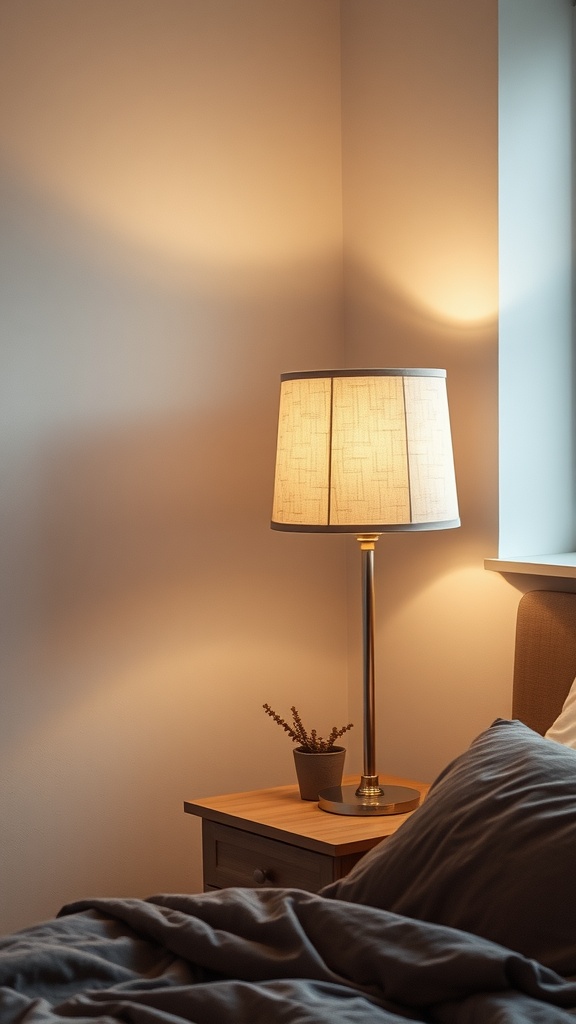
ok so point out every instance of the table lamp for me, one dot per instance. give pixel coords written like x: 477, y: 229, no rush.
x: 365, y: 452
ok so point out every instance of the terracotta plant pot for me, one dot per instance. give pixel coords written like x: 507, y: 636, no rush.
x: 316, y: 772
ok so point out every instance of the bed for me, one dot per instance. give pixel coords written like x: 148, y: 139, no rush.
x: 467, y: 915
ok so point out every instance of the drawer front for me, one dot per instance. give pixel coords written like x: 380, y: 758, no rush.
x: 233, y: 857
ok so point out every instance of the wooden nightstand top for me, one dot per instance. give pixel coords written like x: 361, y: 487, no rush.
x: 279, y: 813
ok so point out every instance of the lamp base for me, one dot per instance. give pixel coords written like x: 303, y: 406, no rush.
x: 386, y: 800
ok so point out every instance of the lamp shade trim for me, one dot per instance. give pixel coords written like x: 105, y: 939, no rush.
x: 392, y: 371
x: 364, y: 450
x: 358, y: 528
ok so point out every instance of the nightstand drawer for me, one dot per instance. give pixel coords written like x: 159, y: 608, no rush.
x: 234, y: 857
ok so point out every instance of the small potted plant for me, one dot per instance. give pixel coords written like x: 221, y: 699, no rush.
x: 319, y: 762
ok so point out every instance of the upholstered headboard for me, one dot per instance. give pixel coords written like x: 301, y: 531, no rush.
x: 545, y: 656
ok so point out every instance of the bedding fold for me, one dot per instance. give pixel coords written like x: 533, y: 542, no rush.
x: 280, y: 955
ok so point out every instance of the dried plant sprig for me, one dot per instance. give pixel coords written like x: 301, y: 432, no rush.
x: 309, y: 741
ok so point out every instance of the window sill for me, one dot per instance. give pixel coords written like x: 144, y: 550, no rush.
x: 559, y: 566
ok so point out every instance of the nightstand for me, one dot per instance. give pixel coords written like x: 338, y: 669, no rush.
x: 270, y: 837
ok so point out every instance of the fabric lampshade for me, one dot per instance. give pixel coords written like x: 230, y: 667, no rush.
x: 364, y: 451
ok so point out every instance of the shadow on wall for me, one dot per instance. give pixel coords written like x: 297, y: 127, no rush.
x: 146, y: 608
x: 171, y: 229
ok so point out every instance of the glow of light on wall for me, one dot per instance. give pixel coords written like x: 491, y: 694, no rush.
x: 186, y: 215
x: 420, y: 158
x: 461, y: 295
x: 175, y: 136
x: 455, y: 289
x: 434, y: 269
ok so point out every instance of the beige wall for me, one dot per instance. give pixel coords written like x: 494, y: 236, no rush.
x: 420, y: 174
x: 171, y: 242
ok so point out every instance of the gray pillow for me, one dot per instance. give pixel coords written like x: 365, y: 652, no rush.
x: 491, y: 851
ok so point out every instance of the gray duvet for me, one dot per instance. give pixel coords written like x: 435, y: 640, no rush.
x: 279, y: 956
x: 466, y: 915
